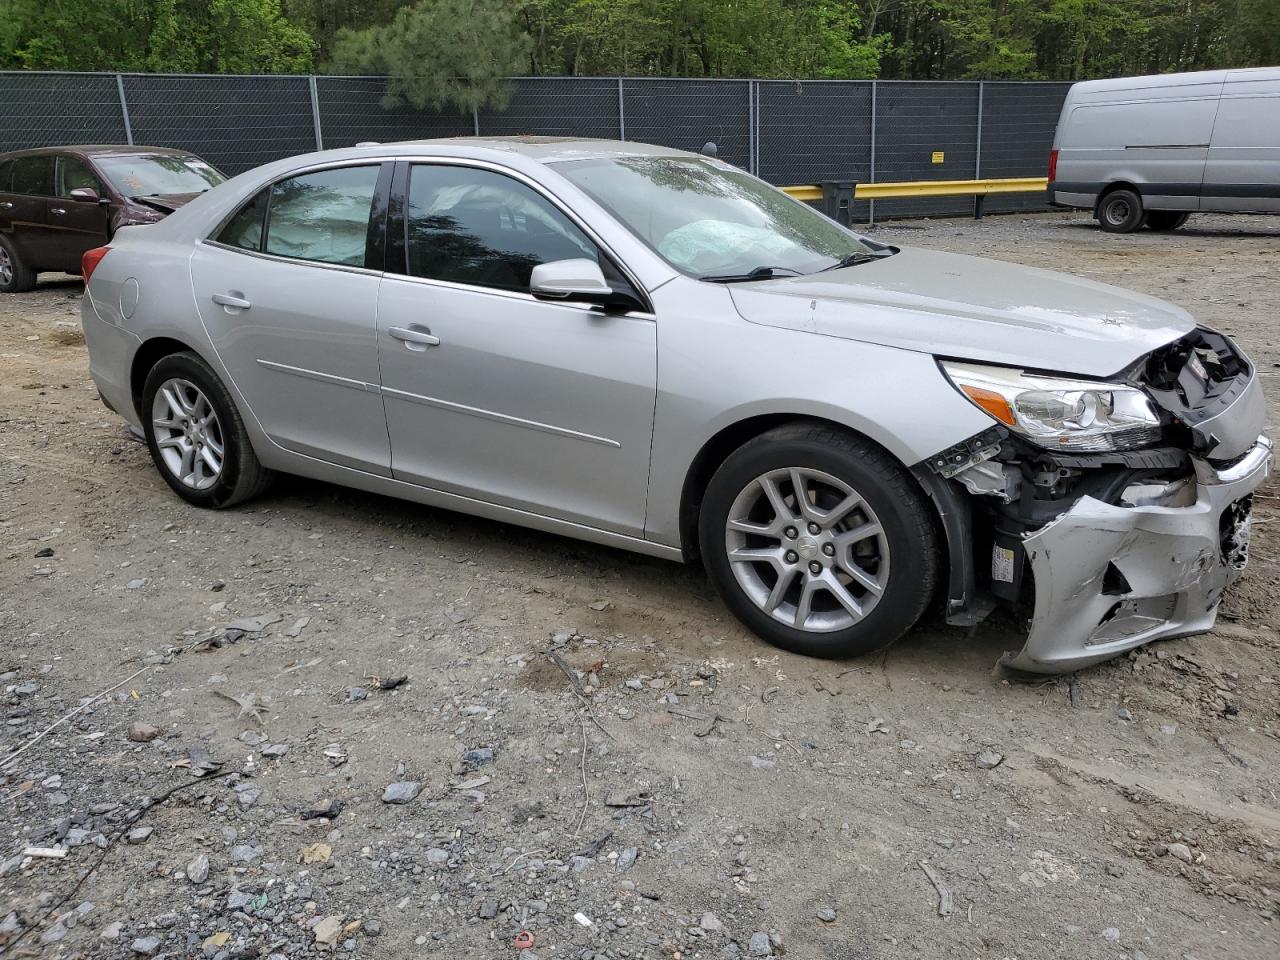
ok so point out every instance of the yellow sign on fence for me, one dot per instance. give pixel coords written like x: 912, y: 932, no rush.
x: 939, y: 156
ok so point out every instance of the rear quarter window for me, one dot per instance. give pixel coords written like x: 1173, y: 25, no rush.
x: 1141, y: 123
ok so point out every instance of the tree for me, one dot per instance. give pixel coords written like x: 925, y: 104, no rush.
x: 440, y: 54
x: 206, y: 36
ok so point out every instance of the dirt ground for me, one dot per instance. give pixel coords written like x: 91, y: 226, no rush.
x: 720, y: 798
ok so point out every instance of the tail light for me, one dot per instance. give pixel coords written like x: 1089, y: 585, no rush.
x: 1053, y: 165
x: 90, y: 261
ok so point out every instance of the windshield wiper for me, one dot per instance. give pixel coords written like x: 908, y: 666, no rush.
x: 759, y: 273
x: 861, y: 256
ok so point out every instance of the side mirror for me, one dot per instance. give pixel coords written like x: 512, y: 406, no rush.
x: 85, y: 195
x: 575, y: 280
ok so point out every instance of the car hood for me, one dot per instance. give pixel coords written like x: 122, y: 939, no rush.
x: 166, y: 202
x: 971, y: 308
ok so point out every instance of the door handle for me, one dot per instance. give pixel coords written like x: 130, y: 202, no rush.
x: 6, y: 205
x: 227, y: 300
x: 57, y: 211
x: 409, y: 335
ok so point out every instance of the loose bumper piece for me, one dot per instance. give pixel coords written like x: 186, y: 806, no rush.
x: 1110, y: 578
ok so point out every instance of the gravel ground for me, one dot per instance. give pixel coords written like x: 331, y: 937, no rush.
x: 683, y: 791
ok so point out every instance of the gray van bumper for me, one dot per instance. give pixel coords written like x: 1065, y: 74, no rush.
x: 1173, y: 564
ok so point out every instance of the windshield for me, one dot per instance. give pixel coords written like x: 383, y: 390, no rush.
x: 707, y: 218
x: 158, y: 175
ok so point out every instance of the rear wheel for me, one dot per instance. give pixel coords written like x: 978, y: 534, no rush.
x: 818, y: 541
x: 1163, y: 220
x: 197, y: 439
x: 1120, y: 212
x: 15, y: 277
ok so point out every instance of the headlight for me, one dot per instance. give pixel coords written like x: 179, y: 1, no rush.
x: 1057, y: 413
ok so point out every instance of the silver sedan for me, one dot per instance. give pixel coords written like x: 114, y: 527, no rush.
x: 653, y: 350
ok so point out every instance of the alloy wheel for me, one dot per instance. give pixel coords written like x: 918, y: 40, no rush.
x: 807, y: 549
x: 188, y: 434
x: 6, y: 268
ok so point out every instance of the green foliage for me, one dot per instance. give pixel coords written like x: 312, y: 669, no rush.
x: 440, y: 53
x: 455, y: 52
x: 206, y: 36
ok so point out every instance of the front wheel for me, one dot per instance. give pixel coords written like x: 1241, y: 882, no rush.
x: 197, y: 439
x: 1163, y: 220
x: 1120, y: 212
x: 819, y: 541
x: 15, y: 276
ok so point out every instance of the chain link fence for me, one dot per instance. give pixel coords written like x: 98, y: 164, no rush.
x: 788, y: 132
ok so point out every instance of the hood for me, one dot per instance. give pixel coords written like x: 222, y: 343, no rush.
x: 165, y: 202
x: 972, y: 309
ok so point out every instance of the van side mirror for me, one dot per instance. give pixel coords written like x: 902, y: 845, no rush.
x: 84, y: 195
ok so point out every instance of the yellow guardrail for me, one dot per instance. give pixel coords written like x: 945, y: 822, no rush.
x: 929, y: 188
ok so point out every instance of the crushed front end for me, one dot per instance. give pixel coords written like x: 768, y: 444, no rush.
x: 1110, y: 549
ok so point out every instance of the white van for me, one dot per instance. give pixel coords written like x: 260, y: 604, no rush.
x: 1149, y: 151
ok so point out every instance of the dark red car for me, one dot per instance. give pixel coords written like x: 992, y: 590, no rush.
x: 58, y: 202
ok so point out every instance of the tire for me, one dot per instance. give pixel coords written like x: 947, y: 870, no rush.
x: 1163, y: 220
x: 889, y: 534
x: 1120, y: 212
x: 15, y: 276
x: 188, y: 416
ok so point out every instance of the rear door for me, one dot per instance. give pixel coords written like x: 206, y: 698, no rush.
x: 288, y: 292
x: 74, y: 225
x: 1243, y: 169
x: 31, y: 187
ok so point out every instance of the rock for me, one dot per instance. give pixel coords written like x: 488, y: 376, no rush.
x: 27, y: 689
x: 436, y: 855
x: 488, y: 910
x: 988, y: 759
x: 112, y: 930
x: 826, y: 915
x: 147, y: 946
x: 1168, y: 729
x: 1181, y: 851
x: 710, y: 921
x: 245, y: 853
x: 328, y: 929
x: 215, y: 942
x: 627, y: 859
x: 275, y: 750
x: 136, y: 584
x: 198, y: 869
x: 43, y: 552
x: 1111, y: 934
x: 255, y: 624
x: 139, y: 834
x: 247, y: 794
x: 356, y: 693
x: 54, y: 933
x: 404, y: 792
x: 373, y: 928
x: 758, y: 945
x: 140, y: 732
x: 1124, y: 713
x: 762, y: 763
x: 478, y: 757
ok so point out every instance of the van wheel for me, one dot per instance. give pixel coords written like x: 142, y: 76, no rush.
x: 1120, y: 212
x: 1163, y: 220
x: 15, y: 276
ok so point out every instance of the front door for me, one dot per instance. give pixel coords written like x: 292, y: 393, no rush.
x: 75, y: 225
x: 545, y: 407
x: 288, y: 292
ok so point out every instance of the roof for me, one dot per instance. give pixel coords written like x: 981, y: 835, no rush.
x: 552, y: 149
x: 1177, y: 79
x: 99, y: 150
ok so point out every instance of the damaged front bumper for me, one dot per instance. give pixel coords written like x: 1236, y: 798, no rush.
x: 1108, y: 578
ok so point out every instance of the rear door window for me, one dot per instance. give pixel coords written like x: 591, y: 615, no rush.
x: 323, y: 216
x: 33, y: 176
x: 6, y: 175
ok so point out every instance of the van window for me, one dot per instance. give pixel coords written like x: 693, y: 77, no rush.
x: 1156, y: 123
x: 1248, y: 122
